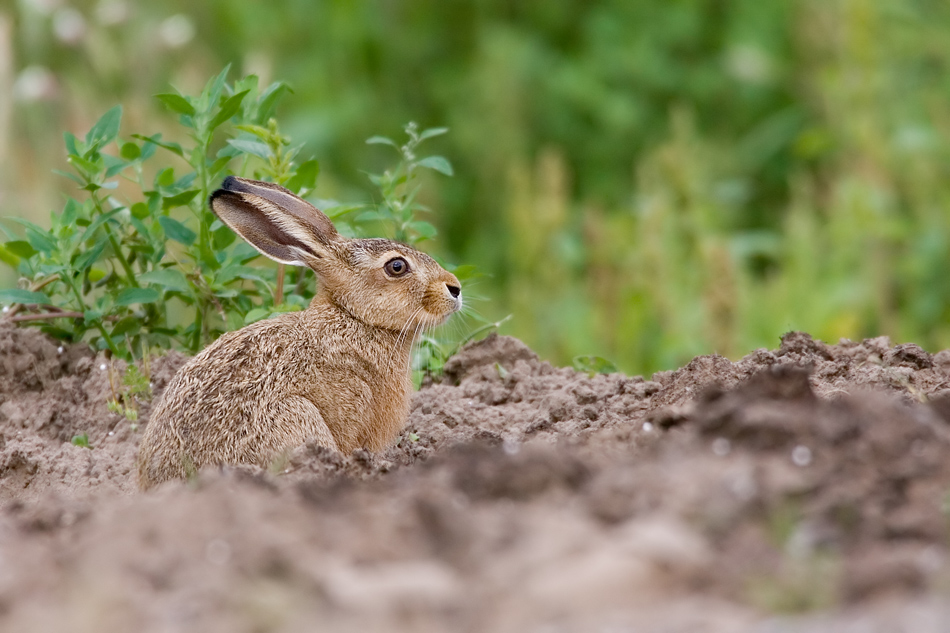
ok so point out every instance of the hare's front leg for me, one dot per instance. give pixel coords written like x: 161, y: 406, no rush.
x: 289, y: 423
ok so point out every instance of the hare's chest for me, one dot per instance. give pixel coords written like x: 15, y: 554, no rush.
x: 363, y: 405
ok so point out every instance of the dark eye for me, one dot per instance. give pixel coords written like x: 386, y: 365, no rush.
x: 396, y: 267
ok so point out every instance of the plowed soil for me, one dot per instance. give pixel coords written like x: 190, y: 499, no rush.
x: 805, y: 488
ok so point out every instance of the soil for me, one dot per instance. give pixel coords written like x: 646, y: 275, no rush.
x: 805, y: 488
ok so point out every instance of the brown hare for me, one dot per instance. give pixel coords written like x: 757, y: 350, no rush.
x: 337, y: 373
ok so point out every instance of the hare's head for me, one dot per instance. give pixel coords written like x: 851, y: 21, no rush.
x: 380, y: 282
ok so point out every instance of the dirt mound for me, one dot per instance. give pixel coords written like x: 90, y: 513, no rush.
x: 803, y: 488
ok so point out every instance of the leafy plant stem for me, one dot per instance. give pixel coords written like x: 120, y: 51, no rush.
x: 98, y: 322
x: 126, y: 267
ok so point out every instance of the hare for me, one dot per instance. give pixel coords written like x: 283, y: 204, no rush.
x: 337, y: 372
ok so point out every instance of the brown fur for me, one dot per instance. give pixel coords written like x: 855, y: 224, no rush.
x: 337, y: 372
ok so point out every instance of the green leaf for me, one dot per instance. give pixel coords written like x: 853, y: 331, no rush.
x: 76, y: 179
x: 254, y: 148
x: 130, y: 151
x: 232, y: 272
x: 465, y: 271
x: 113, y: 166
x: 177, y: 231
x: 176, y: 103
x: 219, y: 164
x: 305, y: 178
x: 41, y: 241
x: 106, y: 128
x: 126, y: 325
x: 70, y: 212
x: 593, y: 365
x: 21, y: 248
x: 179, y: 200
x: 19, y: 295
x: 256, y: 315
x: 72, y: 143
x: 168, y: 278
x: 137, y: 295
x: 165, y: 178
x: 222, y: 237
x: 91, y: 316
x: 81, y: 441
x: 87, y: 167
x: 244, y: 253
x: 156, y: 139
x: 432, y: 131
x: 381, y: 140
x: 228, y: 109
x: 425, y: 230
x: 99, y: 221
x: 208, y: 257
x: 438, y: 163
x: 215, y: 86
x: 91, y: 256
x: 260, y: 132
x: 9, y: 258
x: 139, y: 210
x: 268, y: 100
x: 339, y: 210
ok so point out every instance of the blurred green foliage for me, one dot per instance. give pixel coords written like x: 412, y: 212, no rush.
x: 139, y: 248
x: 641, y: 181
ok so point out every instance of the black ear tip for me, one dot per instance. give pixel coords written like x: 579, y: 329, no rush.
x: 231, y: 184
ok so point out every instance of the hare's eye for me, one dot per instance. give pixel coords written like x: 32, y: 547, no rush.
x: 396, y: 267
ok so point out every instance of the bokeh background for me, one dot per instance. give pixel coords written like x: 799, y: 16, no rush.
x: 642, y: 180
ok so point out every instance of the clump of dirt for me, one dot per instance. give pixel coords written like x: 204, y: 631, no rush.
x: 51, y: 393
x: 808, y: 483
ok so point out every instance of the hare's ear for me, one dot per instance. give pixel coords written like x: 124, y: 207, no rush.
x: 273, y: 220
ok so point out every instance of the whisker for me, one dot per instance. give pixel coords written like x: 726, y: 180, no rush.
x: 403, y: 331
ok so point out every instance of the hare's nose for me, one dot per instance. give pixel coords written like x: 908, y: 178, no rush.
x: 455, y: 291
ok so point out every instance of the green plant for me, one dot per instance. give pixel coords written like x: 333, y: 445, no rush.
x: 138, y: 252
x: 137, y: 260
x: 82, y: 441
x: 398, y: 212
x: 593, y: 365
x: 135, y: 387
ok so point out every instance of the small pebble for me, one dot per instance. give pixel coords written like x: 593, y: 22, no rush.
x: 647, y: 426
x: 721, y: 446
x: 510, y: 447
x: 102, y: 366
x: 111, y: 432
x: 801, y: 455
x: 6, y: 308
